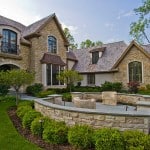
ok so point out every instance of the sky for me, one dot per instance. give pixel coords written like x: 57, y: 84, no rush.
x: 98, y: 20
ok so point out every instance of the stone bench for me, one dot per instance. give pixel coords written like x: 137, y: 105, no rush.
x: 143, y: 105
x: 84, y: 103
x: 109, y: 98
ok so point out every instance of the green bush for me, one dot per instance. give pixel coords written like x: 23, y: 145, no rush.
x: 37, y: 127
x: 148, y: 87
x: 67, y: 97
x: 56, y: 133
x: 29, y: 117
x: 4, y: 89
x: 26, y: 103
x: 7, y: 97
x: 111, y: 86
x: 22, y: 110
x: 34, y: 89
x: 45, y: 93
x: 80, y: 136
x: 136, y: 140
x: 87, y: 89
x: 58, y: 90
x: 108, y: 139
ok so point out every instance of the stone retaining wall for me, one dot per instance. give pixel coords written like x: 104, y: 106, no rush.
x: 96, y: 118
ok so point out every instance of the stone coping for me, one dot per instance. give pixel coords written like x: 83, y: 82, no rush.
x: 143, y: 103
x: 94, y: 111
x: 55, y: 95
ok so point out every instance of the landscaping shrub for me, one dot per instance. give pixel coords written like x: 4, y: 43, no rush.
x: 4, y: 89
x: 29, y: 117
x: 108, y: 139
x: 148, y: 86
x: 22, y: 110
x: 26, y: 103
x: 56, y: 133
x: 111, y: 86
x: 7, y: 97
x: 133, y: 87
x: 136, y: 140
x: 37, y: 127
x: 80, y: 136
x: 34, y: 89
x: 67, y: 97
x: 45, y: 93
x: 87, y: 89
x: 58, y: 90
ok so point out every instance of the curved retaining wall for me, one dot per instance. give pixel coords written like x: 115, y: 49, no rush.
x: 96, y: 118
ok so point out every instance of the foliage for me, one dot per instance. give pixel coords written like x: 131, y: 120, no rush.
x: 135, y: 139
x: 88, y: 43
x: 22, y: 110
x: 80, y: 136
x: 133, y: 86
x: 70, y: 39
x: 45, y: 93
x: 10, y: 139
x: 55, y: 133
x: 59, y: 90
x: 29, y: 117
x: 7, y: 97
x: 111, y: 86
x: 34, y: 89
x: 4, y: 89
x: 140, y: 29
x: 87, y: 89
x: 67, y: 97
x: 26, y: 103
x: 69, y: 77
x: 108, y: 139
x: 37, y: 127
x: 148, y: 86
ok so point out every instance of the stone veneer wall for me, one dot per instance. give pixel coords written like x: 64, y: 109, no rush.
x: 96, y: 118
x: 134, y: 54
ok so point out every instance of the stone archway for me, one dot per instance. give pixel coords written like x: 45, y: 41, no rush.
x: 6, y: 67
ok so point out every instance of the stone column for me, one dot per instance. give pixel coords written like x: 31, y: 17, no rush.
x: 44, y: 79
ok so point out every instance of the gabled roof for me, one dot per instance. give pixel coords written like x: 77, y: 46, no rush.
x: 8, y: 22
x: 52, y: 59
x: 111, y: 54
x: 145, y: 49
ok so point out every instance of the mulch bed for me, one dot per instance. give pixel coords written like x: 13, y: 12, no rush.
x: 32, y: 138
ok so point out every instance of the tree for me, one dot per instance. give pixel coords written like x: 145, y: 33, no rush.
x: 140, y: 29
x: 70, y: 39
x: 69, y: 77
x: 88, y: 43
x: 18, y: 78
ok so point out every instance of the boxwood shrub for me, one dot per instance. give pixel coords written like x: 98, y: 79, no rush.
x: 29, y: 117
x: 26, y: 103
x: 22, y: 110
x: 136, y: 140
x: 108, y: 139
x: 81, y: 136
x: 56, y: 133
x: 37, y: 127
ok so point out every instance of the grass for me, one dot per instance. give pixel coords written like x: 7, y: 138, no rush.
x: 10, y: 139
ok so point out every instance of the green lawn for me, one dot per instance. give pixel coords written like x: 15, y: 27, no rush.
x: 10, y: 139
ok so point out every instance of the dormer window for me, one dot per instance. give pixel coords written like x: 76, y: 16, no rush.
x: 9, y: 42
x: 95, y: 57
x: 52, y: 44
x: 96, y: 54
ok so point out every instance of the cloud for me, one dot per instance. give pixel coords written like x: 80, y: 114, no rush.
x: 73, y: 29
x: 111, y: 40
x: 110, y: 26
x: 122, y: 14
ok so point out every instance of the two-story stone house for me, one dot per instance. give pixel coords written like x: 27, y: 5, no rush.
x: 40, y: 47
x: 43, y: 48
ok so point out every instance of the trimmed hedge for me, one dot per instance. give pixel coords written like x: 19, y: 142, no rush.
x: 22, y: 110
x: 80, y: 136
x: 45, y: 93
x: 56, y: 133
x: 108, y: 139
x: 136, y: 140
x: 29, y: 117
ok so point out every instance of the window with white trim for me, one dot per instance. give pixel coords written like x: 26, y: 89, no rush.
x: 52, y: 44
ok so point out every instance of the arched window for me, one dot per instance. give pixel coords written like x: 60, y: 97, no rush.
x: 52, y: 44
x: 135, y: 71
x: 9, y: 41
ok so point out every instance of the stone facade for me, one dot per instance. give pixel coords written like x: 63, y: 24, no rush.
x: 93, y: 118
x: 134, y: 54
